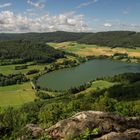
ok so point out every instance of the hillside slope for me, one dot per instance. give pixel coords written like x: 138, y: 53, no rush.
x: 58, y: 36
x: 113, y: 39
x: 28, y: 51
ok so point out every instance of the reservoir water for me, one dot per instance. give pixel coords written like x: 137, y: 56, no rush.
x: 70, y: 77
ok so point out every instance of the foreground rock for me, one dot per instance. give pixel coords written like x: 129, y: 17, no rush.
x: 110, y: 126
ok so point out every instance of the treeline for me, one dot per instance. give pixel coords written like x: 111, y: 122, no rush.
x: 44, y: 93
x: 125, y: 92
x: 28, y: 51
x: 112, y: 39
x: 121, y: 98
x: 11, y: 79
x: 124, y: 78
x: 126, y: 39
x: 4, y: 62
x: 58, y: 36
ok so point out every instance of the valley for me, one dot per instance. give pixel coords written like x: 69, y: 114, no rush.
x: 51, y: 79
x: 69, y: 70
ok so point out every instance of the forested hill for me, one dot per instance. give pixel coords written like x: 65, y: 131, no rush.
x: 111, y: 39
x: 58, y: 36
x: 28, y: 51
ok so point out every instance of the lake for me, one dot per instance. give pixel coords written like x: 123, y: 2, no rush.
x: 64, y: 79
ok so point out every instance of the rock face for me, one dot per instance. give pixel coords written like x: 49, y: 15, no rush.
x: 36, y: 131
x: 110, y: 126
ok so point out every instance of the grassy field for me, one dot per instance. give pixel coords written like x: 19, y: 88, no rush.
x: 90, y: 50
x: 8, y: 69
x: 99, y: 84
x: 16, y: 95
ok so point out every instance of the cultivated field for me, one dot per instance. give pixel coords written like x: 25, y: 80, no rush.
x: 90, y: 50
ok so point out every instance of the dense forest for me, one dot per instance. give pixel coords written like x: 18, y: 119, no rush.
x: 111, y: 39
x: 58, y: 36
x: 26, y: 51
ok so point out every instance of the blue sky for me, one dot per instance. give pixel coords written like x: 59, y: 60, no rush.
x: 69, y: 15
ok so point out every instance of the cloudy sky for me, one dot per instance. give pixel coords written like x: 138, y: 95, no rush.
x: 69, y: 15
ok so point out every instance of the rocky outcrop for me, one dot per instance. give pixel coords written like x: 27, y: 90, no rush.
x: 35, y: 130
x: 111, y: 126
x: 130, y: 134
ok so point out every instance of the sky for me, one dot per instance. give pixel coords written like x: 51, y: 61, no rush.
x: 69, y: 15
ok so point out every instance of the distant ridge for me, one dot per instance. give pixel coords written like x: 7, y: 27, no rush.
x: 112, y: 39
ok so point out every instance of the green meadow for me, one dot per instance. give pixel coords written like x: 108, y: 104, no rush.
x: 8, y: 69
x: 16, y: 95
x: 101, y: 84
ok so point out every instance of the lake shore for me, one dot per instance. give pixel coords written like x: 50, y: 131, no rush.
x: 85, y: 72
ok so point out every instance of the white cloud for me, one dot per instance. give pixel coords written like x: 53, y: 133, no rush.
x: 70, y: 21
x: 107, y: 24
x: 11, y: 22
x: 131, y: 25
x: 5, y: 5
x: 85, y: 4
x: 38, y: 4
x: 115, y: 25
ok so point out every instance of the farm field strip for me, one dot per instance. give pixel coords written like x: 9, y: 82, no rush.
x: 89, y: 50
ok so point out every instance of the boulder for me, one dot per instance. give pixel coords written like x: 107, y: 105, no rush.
x: 107, y: 126
x: 35, y: 130
x: 111, y: 126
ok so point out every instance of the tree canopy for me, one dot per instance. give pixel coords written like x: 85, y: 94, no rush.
x: 28, y: 51
x: 111, y: 39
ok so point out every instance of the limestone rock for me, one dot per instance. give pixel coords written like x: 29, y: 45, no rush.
x: 36, y: 131
x: 111, y: 125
